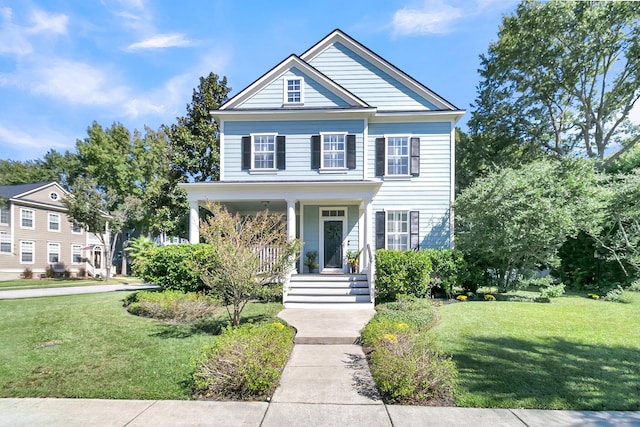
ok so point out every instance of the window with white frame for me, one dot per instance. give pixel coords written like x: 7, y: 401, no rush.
x: 54, y: 222
x: 293, y: 90
x: 26, y: 218
x: 397, y: 155
x: 4, y: 215
x: 27, y: 254
x: 398, y: 230
x: 76, y: 228
x: 53, y: 252
x: 334, y: 150
x: 5, y: 242
x: 76, y: 254
x: 264, y: 151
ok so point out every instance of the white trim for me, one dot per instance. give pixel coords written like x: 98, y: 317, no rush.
x: 285, y: 95
x: 49, y: 252
x: 33, y: 252
x: 72, y: 225
x: 386, y: 227
x: 365, y: 148
x: 323, y: 168
x: 221, y: 143
x: 65, y: 192
x: 275, y: 152
x: 49, y: 214
x: 321, y: 221
x: 72, y: 259
x: 8, y: 240
x: 386, y: 156
x: 33, y: 219
x: 52, y: 194
x: 452, y: 195
x: 8, y: 210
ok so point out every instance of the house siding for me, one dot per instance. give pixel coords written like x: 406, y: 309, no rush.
x: 298, y: 148
x: 314, y: 94
x: 366, y: 81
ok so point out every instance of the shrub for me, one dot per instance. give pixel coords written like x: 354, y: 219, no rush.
x: 401, y: 272
x: 400, y: 317
x: 174, y: 306
x: 244, y: 363
x: 448, y: 267
x: 271, y: 292
x: 614, y: 294
x: 552, y: 291
x: 172, y: 267
x: 27, y: 273
x: 48, y: 272
x: 82, y: 272
x: 634, y: 286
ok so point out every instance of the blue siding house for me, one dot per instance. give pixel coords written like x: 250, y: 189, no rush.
x: 356, y: 153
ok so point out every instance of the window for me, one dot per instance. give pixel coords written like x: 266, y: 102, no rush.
x: 333, y: 150
x: 264, y: 151
x: 4, y: 215
x: 398, y: 155
x: 76, y: 228
x: 5, y: 242
x: 76, y: 254
x: 397, y: 230
x: 26, y: 251
x: 26, y: 218
x: 54, y: 222
x: 53, y: 195
x: 293, y: 90
x: 53, y: 252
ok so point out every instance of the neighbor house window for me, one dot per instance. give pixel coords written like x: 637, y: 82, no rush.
x: 26, y: 218
x: 4, y: 216
x: 26, y: 251
x: 53, y: 251
x: 264, y: 151
x: 334, y: 150
x: 293, y: 90
x: 76, y: 228
x: 76, y: 254
x: 398, y: 230
x: 54, y: 222
x: 5, y: 242
x: 398, y: 155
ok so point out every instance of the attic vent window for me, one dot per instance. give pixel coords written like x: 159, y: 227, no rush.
x: 293, y: 90
x: 53, y: 195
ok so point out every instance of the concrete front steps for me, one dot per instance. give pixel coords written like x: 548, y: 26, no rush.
x: 328, y: 291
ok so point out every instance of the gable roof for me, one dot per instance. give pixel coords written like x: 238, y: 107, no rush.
x: 338, y: 36
x: 19, y: 190
x: 281, y: 68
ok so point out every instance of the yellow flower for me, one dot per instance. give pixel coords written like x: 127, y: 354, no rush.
x: 278, y: 325
x: 489, y: 297
x: 402, y: 326
x: 594, y: 296
x: 461, y: 297
x: 389, y: 337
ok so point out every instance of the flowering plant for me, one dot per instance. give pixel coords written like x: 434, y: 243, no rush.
x: 489, y: 297
x: 594, y: 296
x: 461, y: 297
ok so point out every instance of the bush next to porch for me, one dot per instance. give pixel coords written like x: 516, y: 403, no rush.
x: 172, y: 267
x: 401, y: 272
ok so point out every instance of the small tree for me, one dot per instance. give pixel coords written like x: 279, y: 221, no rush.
x: 137, y: 249
x: 236, y: 270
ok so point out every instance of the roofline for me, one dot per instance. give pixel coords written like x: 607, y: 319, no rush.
x: 377, y: 59
x: 337, y: 89
x: 43, y: 184
x: 36, y: 204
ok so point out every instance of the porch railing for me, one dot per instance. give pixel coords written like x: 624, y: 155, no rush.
x: 267, y: 256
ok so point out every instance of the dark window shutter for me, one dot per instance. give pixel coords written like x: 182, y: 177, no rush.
x: 415, y: 156
x: 351, y: 151
x: 414, y: 232
x: 315, y: 152
x: 246, y: 152
x: 280, y: 151
x: 380, y: 156
x: 381, y: 226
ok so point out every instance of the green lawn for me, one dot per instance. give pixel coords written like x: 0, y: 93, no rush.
x: 575, y: 353
x: 61, y: 283
x: 88, y: 346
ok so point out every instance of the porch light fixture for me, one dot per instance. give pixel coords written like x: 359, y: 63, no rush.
x: 265, y: 203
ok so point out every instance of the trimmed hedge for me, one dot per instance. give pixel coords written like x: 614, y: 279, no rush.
x: 173, y: 267
x: 401, y: 272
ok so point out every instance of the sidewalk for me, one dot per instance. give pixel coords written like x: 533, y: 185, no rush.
x: 325, y: 383
x: 73, y: 290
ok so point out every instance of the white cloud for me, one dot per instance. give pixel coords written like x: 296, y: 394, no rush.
x: 43, y: 22
x: 162, y: 41
x: 28, y: 138
x: 433, y: 18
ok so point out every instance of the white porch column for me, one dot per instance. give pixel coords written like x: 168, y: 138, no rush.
x: 194, y: 223
x: 368, y: 230
x: 362, y: 241
x: 291, y: 219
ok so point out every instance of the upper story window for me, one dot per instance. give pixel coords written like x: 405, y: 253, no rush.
x: 5, y: 242
x: 293, y: 90
x: 398, y: 155
x: 27, y: 218
x: 263, y: 152
x: 54, y: 222
x: 334, y: 150
x: 4, y: 215
x: 76, y: 228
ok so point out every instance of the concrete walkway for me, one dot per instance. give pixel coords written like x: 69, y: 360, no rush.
x: 73, y: 290
x: 326, y: 382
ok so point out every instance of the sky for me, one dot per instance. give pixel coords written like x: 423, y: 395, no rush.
x: 67, y: 63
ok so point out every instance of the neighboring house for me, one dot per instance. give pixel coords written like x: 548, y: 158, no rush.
x: 35, y: 233
x: 356, y: 153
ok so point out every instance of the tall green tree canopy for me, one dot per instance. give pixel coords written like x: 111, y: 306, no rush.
x: 561, y: 79
x: 194, y: 138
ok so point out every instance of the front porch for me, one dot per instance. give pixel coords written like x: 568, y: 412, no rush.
x: 329, y: 218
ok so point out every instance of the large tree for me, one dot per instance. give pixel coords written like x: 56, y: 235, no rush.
x: 194, y: 138
x: 561, y: 78
x: 54, y: 166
